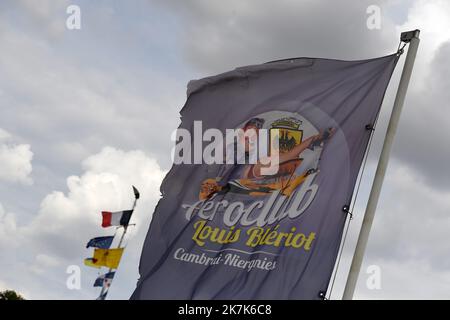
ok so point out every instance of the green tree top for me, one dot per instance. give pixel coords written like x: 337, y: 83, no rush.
x: 10, y: 295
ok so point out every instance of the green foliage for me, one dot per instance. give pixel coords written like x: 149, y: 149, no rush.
x: 10, y: 295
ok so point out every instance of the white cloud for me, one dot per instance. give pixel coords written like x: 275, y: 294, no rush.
x: 43, y: 262
x: 70, y: 105
x: 432, y: 18
x: 56, y: 236
x: 4, y: 134
x: 422, y: 136
x: 47, y: 14
x: 8, y: 227
x: 104, y: 185
x: 409, y: 279
x: 15, y: 160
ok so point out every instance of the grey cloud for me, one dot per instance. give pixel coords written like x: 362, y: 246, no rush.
x: 218, y: 36
x: 423, y: 136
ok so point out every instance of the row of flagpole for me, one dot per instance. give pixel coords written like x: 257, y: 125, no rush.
x: 104, y: 255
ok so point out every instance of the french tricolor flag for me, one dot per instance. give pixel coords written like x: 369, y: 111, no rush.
x: 120, y: 218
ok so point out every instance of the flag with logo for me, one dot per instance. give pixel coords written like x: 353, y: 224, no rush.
x: 225, y: 230
x: 100, y: 242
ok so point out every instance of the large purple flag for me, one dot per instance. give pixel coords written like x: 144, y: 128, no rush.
x: 227, y: 231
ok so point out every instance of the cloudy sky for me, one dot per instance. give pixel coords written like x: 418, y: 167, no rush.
x: 86, y: 113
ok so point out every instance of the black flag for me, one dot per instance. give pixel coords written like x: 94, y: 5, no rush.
x: 136, y: 193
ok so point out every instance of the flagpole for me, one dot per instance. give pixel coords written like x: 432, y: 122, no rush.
x: 136, y: 197
x: 126, y: 227
x: 411, y: 37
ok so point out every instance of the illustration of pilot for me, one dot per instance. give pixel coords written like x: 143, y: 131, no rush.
x: 247, y: 178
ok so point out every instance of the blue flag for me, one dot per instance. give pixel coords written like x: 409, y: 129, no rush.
x: 225, y: 230
x: 100, y: 242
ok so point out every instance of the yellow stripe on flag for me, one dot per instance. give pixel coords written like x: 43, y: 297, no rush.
x: 108, y: 257
x: 90, y: 263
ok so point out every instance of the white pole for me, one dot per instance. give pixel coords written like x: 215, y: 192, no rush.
x: 413, y: 38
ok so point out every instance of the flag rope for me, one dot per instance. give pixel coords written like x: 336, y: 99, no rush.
x: 411, y: 37
x: 352, y: 206
x: 355, y: 197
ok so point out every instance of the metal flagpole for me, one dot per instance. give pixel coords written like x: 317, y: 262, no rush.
x: 126, y: 227
x: 411, y: 37
x: 102, y: 295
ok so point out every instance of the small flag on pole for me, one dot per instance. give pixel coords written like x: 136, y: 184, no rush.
x: 136, y: 193
x: 106, y: 284
x: 100, y: 242
x: 120, y: 218
x: 108, y: 257
x: 101, y: 280
x: 104, y: 256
